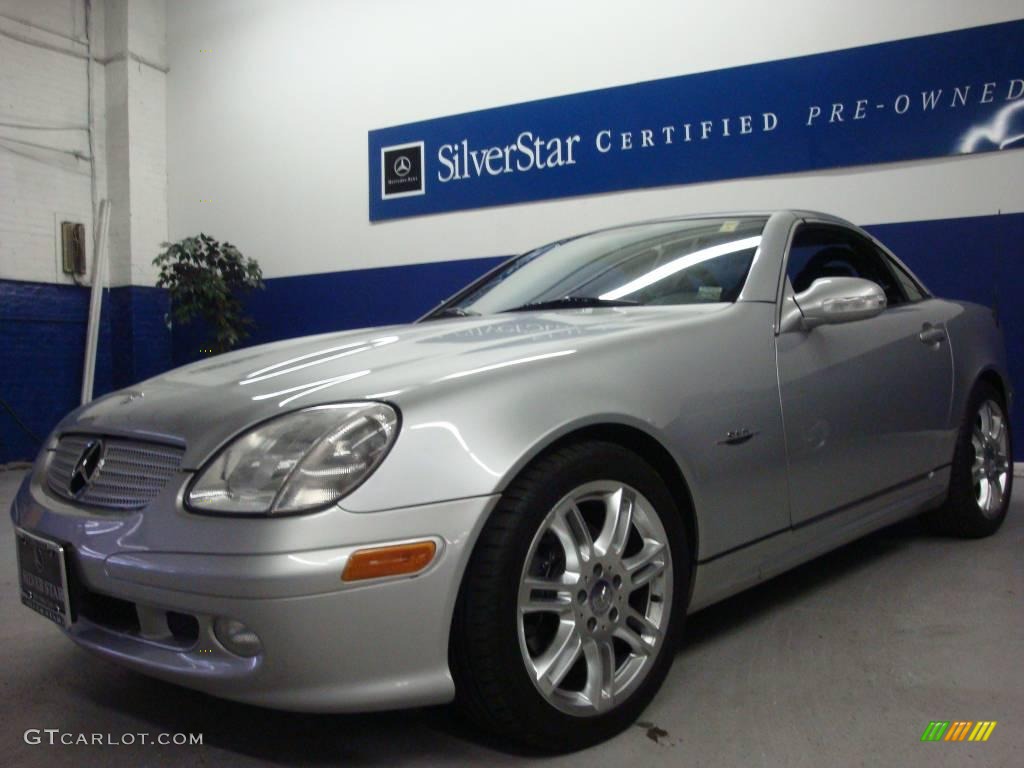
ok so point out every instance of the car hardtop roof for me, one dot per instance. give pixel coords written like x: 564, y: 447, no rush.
x: 799, y: 213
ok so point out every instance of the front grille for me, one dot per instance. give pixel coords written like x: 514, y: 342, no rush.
x: 129, y: 475
x: 126, y: 617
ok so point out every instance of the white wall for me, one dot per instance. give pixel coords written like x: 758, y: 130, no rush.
x: 40, y: 86
x: 269, y: 104
x: 146, y: 206
x: 43, y: 83
x: 136, y: 131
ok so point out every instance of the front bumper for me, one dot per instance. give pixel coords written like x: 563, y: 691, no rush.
x: 327, y: 645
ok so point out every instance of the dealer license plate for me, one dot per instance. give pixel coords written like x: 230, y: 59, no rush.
x: 43, y: 573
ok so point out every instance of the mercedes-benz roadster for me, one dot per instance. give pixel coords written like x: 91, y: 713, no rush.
x: 514, y: 502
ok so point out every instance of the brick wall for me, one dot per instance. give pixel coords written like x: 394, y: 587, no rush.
x: 45, y: 178
x: 42, y: 87
x: 42, y: 342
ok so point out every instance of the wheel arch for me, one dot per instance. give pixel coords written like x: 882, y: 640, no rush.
x: 628, y: 436
x: 991, y: 376
x: 647, y: 447
x: 477, y: 690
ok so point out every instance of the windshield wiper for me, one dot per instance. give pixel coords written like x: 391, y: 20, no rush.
x: 451, y: 312
x: 573, y: 302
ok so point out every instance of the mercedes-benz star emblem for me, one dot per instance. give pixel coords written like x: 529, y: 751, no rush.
x: 87, y: 467
x: 402, y: 166
x: 601, y: 597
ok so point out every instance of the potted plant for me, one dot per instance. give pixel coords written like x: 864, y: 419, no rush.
x: 206, y: 279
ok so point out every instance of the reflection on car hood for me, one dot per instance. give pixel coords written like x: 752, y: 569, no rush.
x: 207, y: 402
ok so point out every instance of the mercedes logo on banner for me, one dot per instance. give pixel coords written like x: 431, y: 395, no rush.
x: 401, y: 171
x: 86, y: 468
x: 402, y: 166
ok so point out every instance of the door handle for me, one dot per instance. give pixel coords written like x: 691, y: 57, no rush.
x: 932, y: 334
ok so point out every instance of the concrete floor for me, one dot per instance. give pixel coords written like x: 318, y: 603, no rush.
x: 841, y: 662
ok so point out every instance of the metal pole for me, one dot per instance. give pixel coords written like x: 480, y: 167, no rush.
x: 99, y: 280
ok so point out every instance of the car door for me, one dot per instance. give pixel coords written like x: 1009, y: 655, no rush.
x: 865, y: 402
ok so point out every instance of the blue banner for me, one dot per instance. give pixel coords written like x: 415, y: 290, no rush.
x: 945, y: 94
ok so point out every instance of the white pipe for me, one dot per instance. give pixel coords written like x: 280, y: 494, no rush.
x: 99, y: 280
x: 90, y: 118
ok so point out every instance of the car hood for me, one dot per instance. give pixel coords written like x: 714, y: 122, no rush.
x: 202, y: 405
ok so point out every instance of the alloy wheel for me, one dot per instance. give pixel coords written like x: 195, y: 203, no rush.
x: 990, y: 466
x: 595, y: 596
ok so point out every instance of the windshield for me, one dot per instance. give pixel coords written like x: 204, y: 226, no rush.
x: 693, y: 261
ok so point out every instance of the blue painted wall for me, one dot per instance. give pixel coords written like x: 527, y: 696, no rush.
x: 140, y: 339
x: 42, y: 349
x: 42, y: 342
x: 42, y: 327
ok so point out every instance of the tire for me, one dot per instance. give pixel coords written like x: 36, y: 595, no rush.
x: 973, y: 509
x: 506, y: 627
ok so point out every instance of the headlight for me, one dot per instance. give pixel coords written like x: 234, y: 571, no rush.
x: 297, y: 462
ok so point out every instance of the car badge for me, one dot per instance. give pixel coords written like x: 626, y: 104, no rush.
x: 86, y: 468
x: 130, y: 396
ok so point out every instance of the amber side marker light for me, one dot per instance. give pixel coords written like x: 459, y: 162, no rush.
x: 396, y: 560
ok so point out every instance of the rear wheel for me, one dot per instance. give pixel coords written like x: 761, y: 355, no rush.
x: 572, y: 601
x: 982, y: 472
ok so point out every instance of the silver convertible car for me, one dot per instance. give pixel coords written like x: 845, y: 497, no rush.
x: 514, y: 502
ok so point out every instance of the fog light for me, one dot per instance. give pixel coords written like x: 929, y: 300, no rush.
x: 397, y: 560
x: 237, y: 637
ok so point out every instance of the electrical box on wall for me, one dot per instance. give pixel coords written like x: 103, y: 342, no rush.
x: 72, y: 238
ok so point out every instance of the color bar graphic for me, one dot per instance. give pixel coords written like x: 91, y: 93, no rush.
x: 958, y: 730
x: 935, y: 730
x: 982, y: 730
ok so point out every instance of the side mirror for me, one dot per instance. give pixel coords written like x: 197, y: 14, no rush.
x: 832, y: 300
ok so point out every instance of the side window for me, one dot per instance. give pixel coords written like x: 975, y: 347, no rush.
x: 831, y: 251
x: 907, y: 283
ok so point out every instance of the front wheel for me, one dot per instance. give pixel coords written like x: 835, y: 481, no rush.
x: 572, y: 601
x: 981, y: 477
